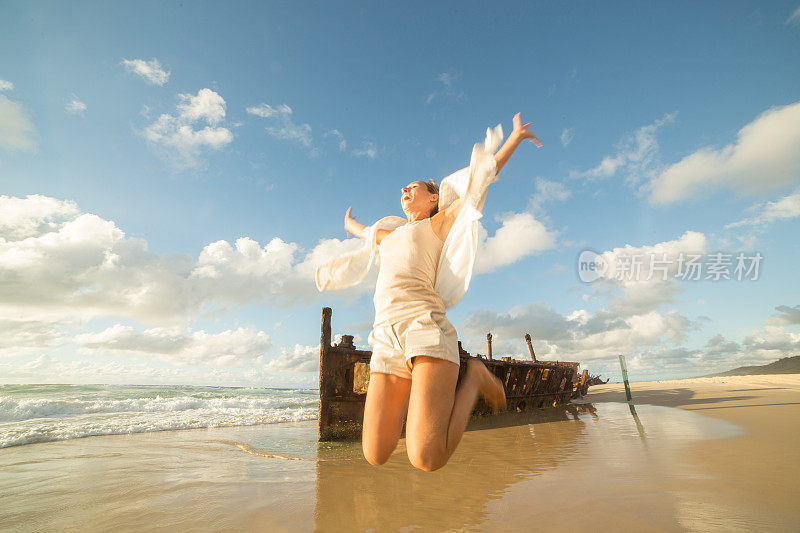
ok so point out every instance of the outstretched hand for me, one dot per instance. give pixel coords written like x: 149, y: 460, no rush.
x: 520, y: 133
x: 523, y: 131
x: 349, y: 221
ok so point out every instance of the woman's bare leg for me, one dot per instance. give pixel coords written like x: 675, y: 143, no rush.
x: 384, y: 410
x: 438, y: 412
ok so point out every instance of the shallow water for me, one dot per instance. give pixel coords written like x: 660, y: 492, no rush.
x: 612, y: 464
x: 44, y: 413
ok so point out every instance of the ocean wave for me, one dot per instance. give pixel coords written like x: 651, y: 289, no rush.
x: 47, y: 430
x: 15, y: 410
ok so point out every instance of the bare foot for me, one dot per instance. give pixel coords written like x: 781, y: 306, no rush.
x: 490, y: 386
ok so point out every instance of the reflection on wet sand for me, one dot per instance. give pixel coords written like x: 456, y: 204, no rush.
x: 639, y: 426
x: 495, y: 453
x: 572, y: 456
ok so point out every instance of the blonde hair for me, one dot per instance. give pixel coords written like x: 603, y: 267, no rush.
x: 433, y: 188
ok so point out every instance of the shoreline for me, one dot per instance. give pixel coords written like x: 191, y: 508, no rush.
x: 696, y: 454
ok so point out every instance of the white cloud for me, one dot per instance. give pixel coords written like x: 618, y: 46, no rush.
x: 581, y: 336
x: 48, y: 369
x: 98, y: 369
x: 636, y: 154
x: 788, y: 315
x: 340, y: 137
x: 267, y: 111
x: 794, y: 18
x: 149, y: 70
x: 786, y: 208
x: 566, y: 136
x: 178, y: 139
x: 20, y: 335
x: 629, y: 268
x: 61, y: 264
x: 221, y: 349
x: 631, y: 319
x: 6, y: 85
x: 650, y: 342
x: 285, y: 128
x: 447, y: 78
x: 632, y: 322
x: 547, y: 191
x: 205, y: 105
x: 121, y: 338
x: 446, y: 92
x: 32, y: 216
x: 16, y: 129
x: 766, y: 155
x: 299, y: 359
x: 367, y: 149
x: 75, y: 106
x: 520, y: 235
x: 300, y: 133
x: 761, y: 346
x: 66, y: 264
x: 282, y: 126
x: 277, y: 272
x: 63, y: 267
x: 247, y: 271
x: 772, y: 342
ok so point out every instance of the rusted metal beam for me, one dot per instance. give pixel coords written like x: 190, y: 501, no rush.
x: 324, y: 348
x: 346, y: 342
x: 530, y: 346
x: 584, y: 381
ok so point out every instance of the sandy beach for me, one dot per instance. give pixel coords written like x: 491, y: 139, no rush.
x: 710, y: 454
x: 752, y: 480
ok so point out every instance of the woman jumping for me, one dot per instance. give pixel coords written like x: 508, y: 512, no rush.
x: 415, y: 357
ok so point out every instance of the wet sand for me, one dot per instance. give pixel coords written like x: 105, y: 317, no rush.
x: 692, y: 455
x: 751, y: 481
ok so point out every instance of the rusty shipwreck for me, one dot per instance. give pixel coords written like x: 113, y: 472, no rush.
x: 344, y: 376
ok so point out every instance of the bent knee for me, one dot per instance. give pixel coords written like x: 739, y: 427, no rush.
x: 427, y: 459
x: 376, y: 455
x: 376, y: 459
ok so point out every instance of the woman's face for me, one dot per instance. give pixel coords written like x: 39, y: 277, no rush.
x: 415, y: 198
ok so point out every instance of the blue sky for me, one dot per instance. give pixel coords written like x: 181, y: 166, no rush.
x: 140, y: 142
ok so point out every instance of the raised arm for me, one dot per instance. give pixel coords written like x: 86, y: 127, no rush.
x: 518, y: 134
x: 351, y: 226
x: 360, y: 230
x: 444, y: 220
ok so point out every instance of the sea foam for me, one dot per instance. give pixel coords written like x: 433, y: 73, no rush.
x: 30, y: 418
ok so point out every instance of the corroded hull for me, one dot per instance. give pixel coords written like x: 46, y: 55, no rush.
x: 344, y: 376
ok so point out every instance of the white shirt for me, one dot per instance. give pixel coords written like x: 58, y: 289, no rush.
x: 409, y: 258
x: 459, y: 250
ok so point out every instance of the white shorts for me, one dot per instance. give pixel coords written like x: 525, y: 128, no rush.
x: 394, y: 345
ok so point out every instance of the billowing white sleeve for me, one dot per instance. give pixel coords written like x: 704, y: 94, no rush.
x: 351, y: 268
x: 347, y: 269
x: 460, y: 249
